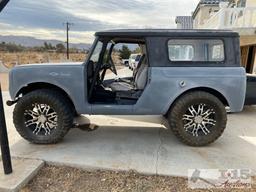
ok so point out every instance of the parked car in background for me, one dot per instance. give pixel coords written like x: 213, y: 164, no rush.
x: 125, y: 62
x: 134, y: 60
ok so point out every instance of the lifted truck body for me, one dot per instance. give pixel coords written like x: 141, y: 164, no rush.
x: 168, y: 80
x: 226, y: 78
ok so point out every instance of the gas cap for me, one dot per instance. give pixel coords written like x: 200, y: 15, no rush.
x: 182, y: 84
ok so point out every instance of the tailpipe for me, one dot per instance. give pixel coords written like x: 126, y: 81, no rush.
x: 10, y: 103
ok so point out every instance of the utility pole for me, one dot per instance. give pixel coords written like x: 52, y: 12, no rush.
x: 67, y: 31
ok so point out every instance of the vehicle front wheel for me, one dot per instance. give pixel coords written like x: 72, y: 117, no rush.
x: 43, y: 116
x: 198, y: 118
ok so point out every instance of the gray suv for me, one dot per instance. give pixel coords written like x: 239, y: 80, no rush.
x: 188, y: 76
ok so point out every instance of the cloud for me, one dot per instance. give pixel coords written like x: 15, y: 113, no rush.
x: 45, y: 19
x: 41, y: 33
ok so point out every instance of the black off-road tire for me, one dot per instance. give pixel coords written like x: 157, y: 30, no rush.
x: 180, y: 107
x: 54, y: 99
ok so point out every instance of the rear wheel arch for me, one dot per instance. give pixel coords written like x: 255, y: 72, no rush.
x: 212, y: 91
x: 42, y: 85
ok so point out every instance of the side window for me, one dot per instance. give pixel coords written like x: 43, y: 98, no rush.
x: 217, y: 52
x: 96, y: 53
x: 181, y: 52
x: 201, y: 50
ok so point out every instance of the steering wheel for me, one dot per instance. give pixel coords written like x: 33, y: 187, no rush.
x: 106, y: 66
x: 111, y: 66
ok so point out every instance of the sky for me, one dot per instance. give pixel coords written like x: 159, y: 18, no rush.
x: 44, y: 19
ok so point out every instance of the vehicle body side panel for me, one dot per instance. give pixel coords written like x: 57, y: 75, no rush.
x: 70, y: 78
x: 112, y: 109
x: 250, y: 98
x: 164, y: 86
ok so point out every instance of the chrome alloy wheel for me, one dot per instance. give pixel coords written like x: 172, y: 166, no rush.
x: 41, y: 119
x: 199, y: 119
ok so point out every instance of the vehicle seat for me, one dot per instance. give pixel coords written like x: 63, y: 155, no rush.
x: 139, y: 81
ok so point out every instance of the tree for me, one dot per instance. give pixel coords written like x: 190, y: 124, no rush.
x: 125, y: 52
x: 60, y: 48
x: 46, y: 45
x: 11, y: 47
x: 50, y: 46
x: 137, y: 50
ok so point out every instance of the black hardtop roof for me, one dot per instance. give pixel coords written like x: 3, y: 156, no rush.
x: 167, y: 32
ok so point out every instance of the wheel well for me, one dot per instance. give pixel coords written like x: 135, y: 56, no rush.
x: 205, y: 89
x: 36, y: 86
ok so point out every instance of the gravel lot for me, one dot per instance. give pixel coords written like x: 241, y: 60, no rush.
x: 52, y: 178
x: 4, y: 81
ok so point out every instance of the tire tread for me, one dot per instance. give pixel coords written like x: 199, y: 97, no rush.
x: 180, y: 103
x: 54, y: 97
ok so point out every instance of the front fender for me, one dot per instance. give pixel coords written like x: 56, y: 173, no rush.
x: 68, y: 78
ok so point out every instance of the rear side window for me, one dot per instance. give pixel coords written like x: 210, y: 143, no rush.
x: 206, y: 50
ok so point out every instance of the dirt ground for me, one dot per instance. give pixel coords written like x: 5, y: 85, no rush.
x: 52, y: 178
x: 4, y: 81
x: 11, y: 59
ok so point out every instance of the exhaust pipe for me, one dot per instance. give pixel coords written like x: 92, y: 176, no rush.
x: 10, y: 103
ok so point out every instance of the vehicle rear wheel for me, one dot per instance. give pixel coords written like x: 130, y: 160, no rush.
x: 43, y: 116
x: 198, y: 118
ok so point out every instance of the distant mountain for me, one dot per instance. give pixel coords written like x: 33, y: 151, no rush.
x: 33, y: 42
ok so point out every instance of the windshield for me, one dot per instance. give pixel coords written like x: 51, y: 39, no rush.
x: 96, y: 52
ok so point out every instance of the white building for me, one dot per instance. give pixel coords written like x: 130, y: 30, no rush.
x: 184, y: 22
x: 237, y: 15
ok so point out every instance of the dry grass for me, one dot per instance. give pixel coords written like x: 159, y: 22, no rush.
x: 11, y: 59
x: 4, y: 81
x: 53, y: 179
